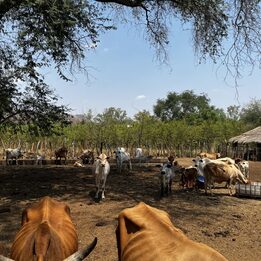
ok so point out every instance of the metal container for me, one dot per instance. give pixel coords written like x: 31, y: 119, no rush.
x: 252, y: 190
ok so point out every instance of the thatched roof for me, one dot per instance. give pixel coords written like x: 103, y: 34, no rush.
x: 252, y: 136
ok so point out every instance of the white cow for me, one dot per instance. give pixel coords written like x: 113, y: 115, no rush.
x: 102, y: 169
x: 244, y: 167
x: 39, y: 159
x: 138, y: 153
x: 200, y: 163
x: 167, y: 174
x: 122, y: 157
x: 13, y: 154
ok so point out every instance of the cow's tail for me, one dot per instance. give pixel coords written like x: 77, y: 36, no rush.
x: 42, y: 241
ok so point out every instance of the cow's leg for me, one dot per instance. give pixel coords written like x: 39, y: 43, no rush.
x: 230, y: 187
x: 206, y: 186
x: 120, y: 166
x: 161, y: 189
x: 103, y: 187
x: 170, y: 186
x: 97, y: 183
x: 130, y: 165
x: 162, y: 185
x: 97, y: 192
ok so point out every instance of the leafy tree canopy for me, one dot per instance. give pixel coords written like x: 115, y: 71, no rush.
x: 251, y: 113
x: 186, y: 105
x: 111, y: 116
x: 42, y: 33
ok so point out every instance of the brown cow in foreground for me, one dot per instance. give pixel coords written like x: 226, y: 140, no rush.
x: 145, y: 233
x: 47, y: 233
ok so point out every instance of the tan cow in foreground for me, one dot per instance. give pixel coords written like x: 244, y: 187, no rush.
x: 145, y: 233
x: 47, y: 233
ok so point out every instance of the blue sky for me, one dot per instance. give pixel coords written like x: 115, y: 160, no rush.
x: 124, y: 74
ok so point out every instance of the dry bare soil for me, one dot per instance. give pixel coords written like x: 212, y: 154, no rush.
x: 231, y: 225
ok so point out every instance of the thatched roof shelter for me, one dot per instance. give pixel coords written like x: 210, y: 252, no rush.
x: 252, y: 136
x: 247, y: 145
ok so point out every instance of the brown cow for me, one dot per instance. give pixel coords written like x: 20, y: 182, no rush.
x: 87, y: 157
x: 209, y: 155
x: 222, y: 172
x: 47, y: 233
x: 188, y: 177
x: 145, y: 233
x: 61, y: 153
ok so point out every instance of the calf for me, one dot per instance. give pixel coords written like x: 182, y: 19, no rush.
x: 13, y: 154
x: 145, y: 233
x: 61, y: 153
x: 102, y: 170
x: 167, y: 174
x: 188, y: 177
x: 47, y: 233
x: 122, y: 157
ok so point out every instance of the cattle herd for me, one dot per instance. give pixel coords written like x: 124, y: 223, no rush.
x: 143, y: 233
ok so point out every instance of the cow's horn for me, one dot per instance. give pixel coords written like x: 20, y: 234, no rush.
x: 3, y: 258
x: 81, y: 254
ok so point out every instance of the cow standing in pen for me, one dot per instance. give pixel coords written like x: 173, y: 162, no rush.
x: 122, y: 157
x: 167, y: 174
x: 102, y: 170
x: 12, y: 154
x: 61, y: 153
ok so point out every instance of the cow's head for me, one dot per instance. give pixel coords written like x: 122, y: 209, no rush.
x: 171, y: 158
x: 166, y: 168
x: 241, y: 177
x: 102, y: 159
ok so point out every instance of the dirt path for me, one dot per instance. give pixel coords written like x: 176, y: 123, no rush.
x: 231, y: 225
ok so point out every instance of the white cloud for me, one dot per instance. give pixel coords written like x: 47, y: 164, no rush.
x: 140, y: 97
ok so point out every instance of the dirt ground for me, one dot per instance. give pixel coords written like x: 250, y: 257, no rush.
x: 229, y: 224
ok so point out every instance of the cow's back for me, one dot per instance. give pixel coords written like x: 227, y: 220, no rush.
x: 46, y: 225
x: 145, y: 233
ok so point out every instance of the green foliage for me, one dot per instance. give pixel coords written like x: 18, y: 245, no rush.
x: 187, y: 106
x: 34, y: 106
x: 38, y: 34
x: 251, y: 113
